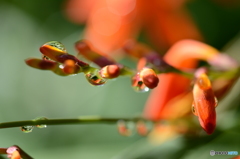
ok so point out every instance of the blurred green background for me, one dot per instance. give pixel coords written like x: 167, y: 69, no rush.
x: 27, y: 93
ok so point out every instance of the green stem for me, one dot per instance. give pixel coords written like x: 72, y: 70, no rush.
x: 80, y: 120
x: 125, y: 71
x: 184, y: 73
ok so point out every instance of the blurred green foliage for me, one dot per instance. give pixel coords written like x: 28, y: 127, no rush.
x: 26, y: 93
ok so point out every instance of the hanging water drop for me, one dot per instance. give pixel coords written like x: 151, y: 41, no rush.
x: 27, y: 129
x: 94, y: 77
x: 216, y: 101
x: 125, y: 128
x: 194, y: 109
x: 143, y: 128
x: 41, y: 125
x: 138, y: 85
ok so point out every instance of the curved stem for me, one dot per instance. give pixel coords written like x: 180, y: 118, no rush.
x: 80, y: 120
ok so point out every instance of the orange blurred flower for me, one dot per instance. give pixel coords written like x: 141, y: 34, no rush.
x: 109, y: 23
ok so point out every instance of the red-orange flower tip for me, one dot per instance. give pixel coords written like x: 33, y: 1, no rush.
x: 204, y: 102
x: 41, y: 64
x: 110, y: 71
x: 82, y: 46
x: 150, y: 79
x: 13, y: 153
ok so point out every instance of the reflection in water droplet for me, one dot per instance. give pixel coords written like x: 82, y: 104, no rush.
x: 216, y: 101
x: 57, y: 45
x: 142, y: 128
x: 138, y: 85
x: 194, y: 109
x: 42, y: 125
x: 94, y: 77
x: 125, y: 128
x: 27, y: 129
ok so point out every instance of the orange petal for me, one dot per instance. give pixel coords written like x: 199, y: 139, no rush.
x: 78, y: 10
x: 167, y: 22
x: 108, y: 28
x: 16, y: 155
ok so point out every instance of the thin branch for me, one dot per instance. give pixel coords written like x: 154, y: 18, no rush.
x: 80, y: 120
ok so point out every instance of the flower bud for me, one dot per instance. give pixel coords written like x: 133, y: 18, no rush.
x: 204, y: 102
x: 85, y: 49
x: 41, y: 64
x: 149, y: 77
x: 53, y: 49
x: 110, y: 71
x: 70, y: 67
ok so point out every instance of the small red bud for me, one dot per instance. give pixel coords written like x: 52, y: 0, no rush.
x: 69, y: 67
x: 110, y: 71
x: 41, y: 64
x: 150, y: 79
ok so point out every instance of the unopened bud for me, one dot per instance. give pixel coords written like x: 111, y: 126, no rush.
x: 110, y: 71
x: 41, y: 64
x: 69, y: 67
x: 204, y: 102
x: 149, y: 77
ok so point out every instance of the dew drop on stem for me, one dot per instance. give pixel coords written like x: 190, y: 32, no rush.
x: 125, y: 128
x: 27, y: 129
x: 41, y: 125
x: 142, y: 128
x: 94, y: 77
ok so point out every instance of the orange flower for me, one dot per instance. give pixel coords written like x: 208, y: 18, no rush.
x: 183, y: 55
x: 109, y: 23
x: 172, y: 97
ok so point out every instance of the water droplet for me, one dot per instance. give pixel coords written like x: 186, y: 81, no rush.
x: 94, y: 77
x: 27, y: 129
x: 42, y: 125
x: 57, y: 45
x: 142, y: 128
x: 216, y: 101
x: 193, y: 109
x: 138, y: 85
x: 125, y: 128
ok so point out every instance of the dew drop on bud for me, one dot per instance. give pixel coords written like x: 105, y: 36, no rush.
x: 42, y: 125
x: 138, y: 85
x: 125, y: 128
x: 216, y: 101
x: 27, y: 129
x: 57, y: 45
x: 94, y: 77
x: 142, y: 128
